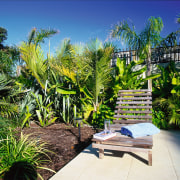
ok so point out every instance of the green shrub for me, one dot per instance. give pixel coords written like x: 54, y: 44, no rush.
x: 100, y: 115
x: 160, y: 119
x: 5, y: 124
x: 14, y: 150
x: 166, y: 94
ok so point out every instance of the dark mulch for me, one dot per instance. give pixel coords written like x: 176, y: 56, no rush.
x: 63, y: 140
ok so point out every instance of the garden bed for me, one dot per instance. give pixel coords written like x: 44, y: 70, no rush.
x: 63, y: 140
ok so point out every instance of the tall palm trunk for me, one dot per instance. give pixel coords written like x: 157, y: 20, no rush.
x: 149, y: 68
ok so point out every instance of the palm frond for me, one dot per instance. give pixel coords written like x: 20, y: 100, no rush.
x: 126, y: 33
x: 34, y: 59
x: 37, y: 36
x: 42, y: 34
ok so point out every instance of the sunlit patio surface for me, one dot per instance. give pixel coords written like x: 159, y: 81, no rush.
x: 127, y: 166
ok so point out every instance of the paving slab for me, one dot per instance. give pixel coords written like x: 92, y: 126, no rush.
x: 118, y: 165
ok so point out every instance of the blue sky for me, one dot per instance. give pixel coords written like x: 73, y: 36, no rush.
x: 81, y: 20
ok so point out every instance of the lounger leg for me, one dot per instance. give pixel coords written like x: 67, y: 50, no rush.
x: 150, y: 158
x: 101, y: 153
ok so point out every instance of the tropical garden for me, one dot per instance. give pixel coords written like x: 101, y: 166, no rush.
x: 77, y: 82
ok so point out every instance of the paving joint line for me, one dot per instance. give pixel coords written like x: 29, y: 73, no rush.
x: 172, y: 163
x: 129, y: 168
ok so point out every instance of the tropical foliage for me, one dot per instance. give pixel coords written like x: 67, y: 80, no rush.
x: 130, y: 76
x: 9, y: 56
x: 25, y: 149
x: 98, y: 65
x: 166, y: 93
x: 8, y: 109
x: 35, y: 62
x: 144, y: 41
x: 76, y: 82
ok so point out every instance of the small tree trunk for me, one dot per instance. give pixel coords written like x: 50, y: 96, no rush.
x: 149, y: 69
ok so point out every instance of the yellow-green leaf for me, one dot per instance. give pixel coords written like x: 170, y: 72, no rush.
x: 174, y: 81
x: 173, y: 91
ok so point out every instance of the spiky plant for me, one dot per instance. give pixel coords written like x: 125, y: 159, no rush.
x: 7, y: 108
x: 22, y: 149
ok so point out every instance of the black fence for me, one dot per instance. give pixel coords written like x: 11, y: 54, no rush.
x: 159, y: 55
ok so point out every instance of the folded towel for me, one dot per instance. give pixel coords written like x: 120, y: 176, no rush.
x: 139, y: 130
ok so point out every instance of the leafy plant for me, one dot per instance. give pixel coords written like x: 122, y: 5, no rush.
x: 174, y: 109
x: 26, y: 108
x: 37, y: 36
x: 166, y: 91
x: 144, y: 41
x: 44, y: 112
x: 129, y: 77
x: 24, y: 149
x: 9, y: 56
x: 160, y: 119
x: 35, y: 62
x: 104, y: 112
x: 162, y: 86
x: 84, y: 70
x: 98, y: 69
x: 7, y: 108
x: 5, y: 124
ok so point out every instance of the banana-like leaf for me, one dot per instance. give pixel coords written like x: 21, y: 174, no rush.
x: 173, y: 91
x: 86, y: 92
x: 120, y: 64
x: 65, y: 91
x: 174, y: 81
x: 153, y: 76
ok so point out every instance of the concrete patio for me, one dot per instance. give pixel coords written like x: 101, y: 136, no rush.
x: 127, y: 166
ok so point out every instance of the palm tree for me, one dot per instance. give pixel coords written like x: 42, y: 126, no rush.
x: 37, y: 36
x: 143, y: 42
x: 98, y: 68
x: 32, y: 55
x: 63, y: 71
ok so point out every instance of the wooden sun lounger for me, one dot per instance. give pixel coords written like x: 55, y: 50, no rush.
x: 133, y: 106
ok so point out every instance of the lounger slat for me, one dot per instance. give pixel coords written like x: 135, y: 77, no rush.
x: 136, y: 112
x: 135, y: 119
x: 133, y: 107
x: 138, y: 94
x: 132, y: 116
x: 134, y: 98
x: 130, y: 121
x: 134, y: 102
x: 138, y: 90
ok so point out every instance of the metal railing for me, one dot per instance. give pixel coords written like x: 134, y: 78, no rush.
x: 159, y: 55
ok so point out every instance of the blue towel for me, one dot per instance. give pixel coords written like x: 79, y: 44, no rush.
x: 139, y: 130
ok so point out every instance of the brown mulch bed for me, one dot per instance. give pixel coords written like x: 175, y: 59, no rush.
x: 64, y: 141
